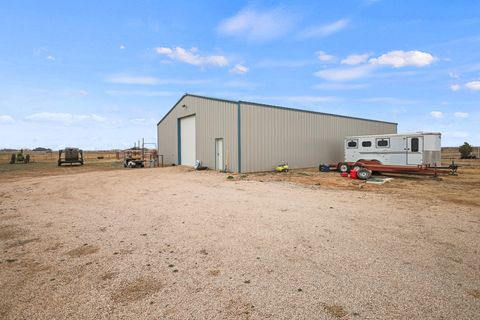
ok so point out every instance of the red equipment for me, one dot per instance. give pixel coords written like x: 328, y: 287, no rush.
x: 353, y: 174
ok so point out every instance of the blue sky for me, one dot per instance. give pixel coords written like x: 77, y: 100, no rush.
x: 100, y: 74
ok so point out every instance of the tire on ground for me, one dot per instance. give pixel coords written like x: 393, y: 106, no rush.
x: 364, y: 174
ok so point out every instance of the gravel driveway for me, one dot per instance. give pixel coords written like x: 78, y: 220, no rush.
x: 171, y: 243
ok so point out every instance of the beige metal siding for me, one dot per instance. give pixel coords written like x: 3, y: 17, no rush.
x: 270, y: 136
x: 214, y: 119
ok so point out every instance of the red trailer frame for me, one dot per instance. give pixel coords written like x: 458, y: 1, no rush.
x: 377, y: 166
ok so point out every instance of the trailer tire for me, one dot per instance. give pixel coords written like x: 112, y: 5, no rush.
x: 364, y: 174
x: 343, y: 167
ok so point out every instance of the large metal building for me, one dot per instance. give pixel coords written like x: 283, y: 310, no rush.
x: 240, y: 136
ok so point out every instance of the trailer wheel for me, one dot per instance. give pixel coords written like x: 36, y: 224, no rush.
x: 364, y: 174
x: 343, y: 167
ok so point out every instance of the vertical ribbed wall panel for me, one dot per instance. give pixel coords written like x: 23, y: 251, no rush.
x: 272, y: 135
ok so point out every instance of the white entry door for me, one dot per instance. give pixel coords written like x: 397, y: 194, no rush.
x: 187, y: 141
x: 219, y: 163
x: 415, y: 150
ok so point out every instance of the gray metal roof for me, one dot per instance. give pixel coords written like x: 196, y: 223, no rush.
x: 268, y: 106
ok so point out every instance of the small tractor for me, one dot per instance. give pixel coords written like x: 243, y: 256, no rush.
x: 134, y: 158
x: 19, y: 158
x: 70, y: 156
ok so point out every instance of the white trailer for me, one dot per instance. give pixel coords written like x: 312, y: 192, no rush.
x: 407, y: 149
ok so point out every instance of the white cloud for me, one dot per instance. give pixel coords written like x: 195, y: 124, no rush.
x: 129, y: 79
x: 454, y: 75
x: 142, y: 93
x: 473, y: 85
x: 324, y: 30
x: 191, y: 56
x: 94, y: 117
x: 389, y: 100
x: 65, y: 118
x: 344, y: 74
x: 354, y: 59
x: 143, y: 121
x: 437, y: 114
x: 148, y: 80
x: 455, y: 87
x: 257, y: 25
x: 122, y: 47
x: 306, y: 99
x: 6, y: 119
x: 462, y: 115
x: 269, y: 63
x: 340, y: 86
x: 400, y: 58
x: 324, y: 57
x: 50, y: 57
x: 239, y: 69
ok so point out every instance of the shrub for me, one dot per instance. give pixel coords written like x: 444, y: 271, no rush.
x: 465, y: 150
x: 13, y: 158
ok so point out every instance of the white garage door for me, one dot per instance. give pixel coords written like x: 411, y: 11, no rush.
x: 187, y: 141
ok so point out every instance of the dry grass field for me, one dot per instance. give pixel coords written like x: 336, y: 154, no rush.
x: 99, y: 242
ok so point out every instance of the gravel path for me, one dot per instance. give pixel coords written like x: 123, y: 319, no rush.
x: 176, y: 244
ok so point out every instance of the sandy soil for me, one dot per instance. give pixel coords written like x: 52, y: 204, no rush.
x: 461, y: 189
x: 170, y: 243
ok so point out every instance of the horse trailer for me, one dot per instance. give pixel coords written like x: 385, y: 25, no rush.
x: 408, y: 149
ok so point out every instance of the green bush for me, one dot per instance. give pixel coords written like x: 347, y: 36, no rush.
x: 465, y: 150
x: 13, y: 158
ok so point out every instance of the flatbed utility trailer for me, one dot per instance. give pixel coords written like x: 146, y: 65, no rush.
x: 70, y: 156
x: 365, y: 168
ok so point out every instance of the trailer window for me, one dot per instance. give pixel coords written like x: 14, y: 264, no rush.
x: 366, y: 144
x: 352, y: 144
x: 383, y: 143
x: 414, y: 145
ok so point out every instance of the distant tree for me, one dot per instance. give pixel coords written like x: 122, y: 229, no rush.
x: 42, y: 149
x: 465, y: 150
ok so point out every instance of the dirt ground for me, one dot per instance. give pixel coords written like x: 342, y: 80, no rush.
x: 98, y: 242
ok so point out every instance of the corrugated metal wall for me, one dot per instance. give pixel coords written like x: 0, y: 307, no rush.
x: 271, y: 136
x: 214, y: 119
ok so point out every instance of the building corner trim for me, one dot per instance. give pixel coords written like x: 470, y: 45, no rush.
x: 239, y: 137
x: 179, y: 143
